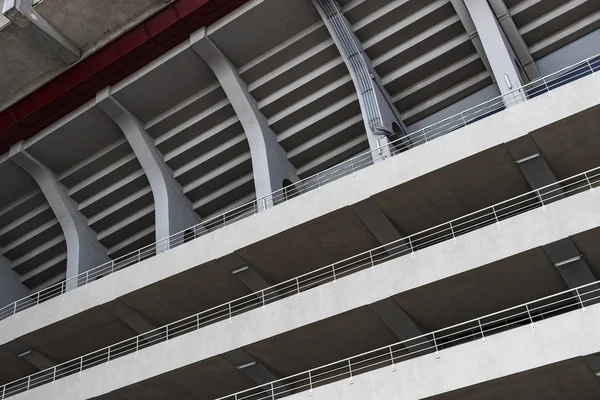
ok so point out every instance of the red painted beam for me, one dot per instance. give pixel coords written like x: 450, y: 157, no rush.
x: 109, y: 65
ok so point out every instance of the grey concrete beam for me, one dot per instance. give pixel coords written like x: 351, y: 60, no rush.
x: 34, y: 357
x: 467, y: 21
x: 532, y: 164
x: 130, y: 317
x: 174, y: 212
x: 11, y: 288
x: 377, y: 222
x: 396, y: 319
x: 242, y: 270
x: 22, y: 14
x: 515, y: 39
x: 382, y: 120
x: 84, y: 251
x: 499, y: 52
x: 251, y: 367
x: 270, y: 164
x: 570, y: 263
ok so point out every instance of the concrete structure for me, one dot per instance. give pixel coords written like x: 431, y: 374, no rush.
x: 298, y: 182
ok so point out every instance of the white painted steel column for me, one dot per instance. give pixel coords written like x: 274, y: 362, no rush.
x: 499, y: 52
x: 173, y: 210
x: 270, y: 164
x: 84, y: 251
x: 381, y: 118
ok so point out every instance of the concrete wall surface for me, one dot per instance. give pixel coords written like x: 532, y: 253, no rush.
x: 556, y: 339
x: 465, y: 142
x: 523, y: 232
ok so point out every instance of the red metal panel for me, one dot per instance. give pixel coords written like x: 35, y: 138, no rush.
x: 164, y: 25
x: 108, y: 66
x: 192, y: 11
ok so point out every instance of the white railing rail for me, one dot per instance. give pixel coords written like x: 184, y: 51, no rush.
x: 429, y: 343
x: 539, y: 198
x: 422, y: 136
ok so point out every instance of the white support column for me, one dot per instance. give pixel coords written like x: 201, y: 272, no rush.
x: 381, y: 118
x: 500, y: 55
x: 270, y: 164
x: 11, y: 288
x: 84, y: 251
x: 516, y: 40
x: 173, y: 210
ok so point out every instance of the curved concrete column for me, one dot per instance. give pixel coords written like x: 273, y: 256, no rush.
x: 84, y: 251
x: 382, y: 120
x: 173, y: 210
x: 270, y: 164
x: 500, y: 54
x: 11, y: 288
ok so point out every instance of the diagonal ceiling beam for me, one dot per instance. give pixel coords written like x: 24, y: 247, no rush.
x: 515, y: 39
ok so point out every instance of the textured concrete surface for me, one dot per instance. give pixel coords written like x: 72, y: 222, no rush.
x: 472, y: 250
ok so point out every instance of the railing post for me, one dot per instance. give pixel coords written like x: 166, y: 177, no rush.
x: 581, y: 302
x: 230, y: 314
x: 264, y: 203
x: 310, y: 391
x: 38, y: 298
x: 530, y: 318
x: 425, y: 135
x: 263, y: 299
x: 81, y: 365
x: 496, y: 216
x: 462, y: 114
x: 412, y: 250
x: 53, y: 375
x: 481, y: 329
x: 272, y: 391
x: 3, y: 391
x: 392, y: 358
x: 591, y: 68
x: 350, y: 369
x: 28, y: 382
x: 452, y: 229
x: 137, y: 344
x: 318, y: 182
x: 352, y: 166
x: 15, y: 308
x: 546, y: 84
x: 541, y: 200
x: 139, y: 256
x: 107, y: 356
x: 589, y: 183
x: 298, y: 287
x: 437, y: 353
x: 334, y: 277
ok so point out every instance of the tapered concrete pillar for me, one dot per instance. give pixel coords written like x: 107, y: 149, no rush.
x: 381, y: 118
x: 270, y: 164
x: 11, y: 288
x: 499, y: 53
x: 84, y: 251
x: 173, y: 210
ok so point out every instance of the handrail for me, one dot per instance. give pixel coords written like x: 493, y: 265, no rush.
x: 423, y: 136
x: 433, y: 342
x: 452, y: 229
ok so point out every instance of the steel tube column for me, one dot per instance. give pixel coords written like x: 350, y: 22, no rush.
x: 270, y: 164
x: 173, y: 210
x: 84, y: 251
x: 500, y: 55
x: 382, y: 120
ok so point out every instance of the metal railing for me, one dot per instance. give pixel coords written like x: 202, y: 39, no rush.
x: 423, y: 136
x: 430, y: 343
x: 453, y: 229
